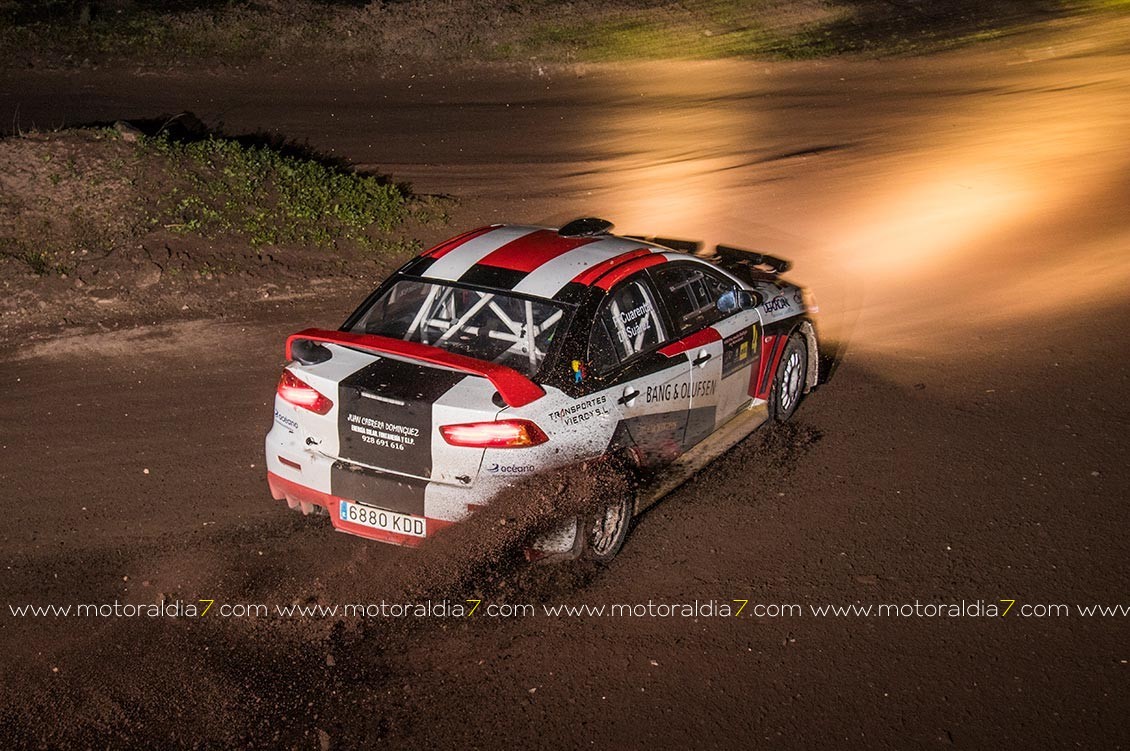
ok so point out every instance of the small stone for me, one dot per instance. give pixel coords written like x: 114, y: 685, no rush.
x: 654, y: 663
x: 330, y: 661
x: 867, y: 579
x: 145, y: 471
x: 129, y: 133
x: 148, y: 276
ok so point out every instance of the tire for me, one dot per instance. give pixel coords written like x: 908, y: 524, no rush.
x: 789, y: 380
x: 603, y: 533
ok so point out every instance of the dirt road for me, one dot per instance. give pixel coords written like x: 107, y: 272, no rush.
x: 962, y: 222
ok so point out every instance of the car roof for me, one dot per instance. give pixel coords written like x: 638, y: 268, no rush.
x: 537, y: 261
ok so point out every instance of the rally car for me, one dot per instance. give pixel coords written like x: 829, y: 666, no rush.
x: 512, y: 350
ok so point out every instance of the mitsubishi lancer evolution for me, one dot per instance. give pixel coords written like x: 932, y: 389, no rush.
x: 508, y: 351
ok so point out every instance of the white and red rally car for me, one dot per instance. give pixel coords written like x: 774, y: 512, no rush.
x: 511, y: 350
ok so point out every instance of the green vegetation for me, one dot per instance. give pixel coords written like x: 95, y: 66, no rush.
x: 38, y: 262
x: 238, y: 32
x: 635, y: 39
x: 768, y: 29
x: 696, y: 30
x: 85, y: 196
x: 221, y: 185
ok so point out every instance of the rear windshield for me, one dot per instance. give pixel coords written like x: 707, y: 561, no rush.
x: 488, y: 325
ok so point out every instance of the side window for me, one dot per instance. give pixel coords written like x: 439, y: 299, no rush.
x: 603, y: 355
x: 627, y: 323
x: 691, y: 295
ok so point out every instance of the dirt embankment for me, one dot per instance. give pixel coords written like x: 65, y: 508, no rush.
x: 105, y: 226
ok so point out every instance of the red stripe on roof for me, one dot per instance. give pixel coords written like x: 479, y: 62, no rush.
x: 532, y: 250
x: 445, y: 247
x: 591, y: 274
x: 625, y: 270
x: 697, y: 339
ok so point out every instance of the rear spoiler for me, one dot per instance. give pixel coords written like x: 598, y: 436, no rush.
x: 683, y: 246
x: 726, y: 256
x: 515, y: 389
x: 731, y: 258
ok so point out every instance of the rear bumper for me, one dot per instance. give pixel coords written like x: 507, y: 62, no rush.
x: 560, y: 543
x: 303, y: 479
x: 295, y: 495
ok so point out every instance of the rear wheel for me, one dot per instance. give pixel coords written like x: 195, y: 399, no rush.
x: 789, y: 380
x: 604, y: 532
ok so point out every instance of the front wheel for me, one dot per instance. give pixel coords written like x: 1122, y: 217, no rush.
x: 789, y: 380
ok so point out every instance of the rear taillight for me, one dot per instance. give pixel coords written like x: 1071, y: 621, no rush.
x: 505, y: 434
x: 302, y: 394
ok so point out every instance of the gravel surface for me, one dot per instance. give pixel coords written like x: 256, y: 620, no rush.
x: 961, y: 220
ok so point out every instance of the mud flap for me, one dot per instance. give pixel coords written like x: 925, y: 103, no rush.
x: 561, y: 544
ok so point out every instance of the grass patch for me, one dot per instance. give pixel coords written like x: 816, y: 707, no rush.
x: 706, y: 29
x: 89, y: 207
x: 210, y: 33
x: 38, y: 262
x: 772, y: 29
x: 223, y: 186
x: 636, y: 39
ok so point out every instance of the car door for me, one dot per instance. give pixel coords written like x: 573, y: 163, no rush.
x: 719, y: 342
x: 649, y: 391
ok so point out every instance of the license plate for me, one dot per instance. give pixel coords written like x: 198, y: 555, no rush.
x: 387, y: 521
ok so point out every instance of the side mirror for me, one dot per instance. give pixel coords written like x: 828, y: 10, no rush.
x: 735, y: 300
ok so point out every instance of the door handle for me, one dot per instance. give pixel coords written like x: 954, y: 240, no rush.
x: 702, y: 358
x: 629, y: 394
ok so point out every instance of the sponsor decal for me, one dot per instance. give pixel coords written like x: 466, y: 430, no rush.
x: 383, y: 434
x: 578, y: 371
x: 636, y: 313
x: 285, y: 421
x: 658, y: 436
x: 633, y: 330
x: 635, y: 322
x: 509, y: 469
x: 780, y: 302
x: 393, y: 432
x: 738, y: 350
x: 798, y: 298
x: 581, y: 411
x: 666, y: 392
